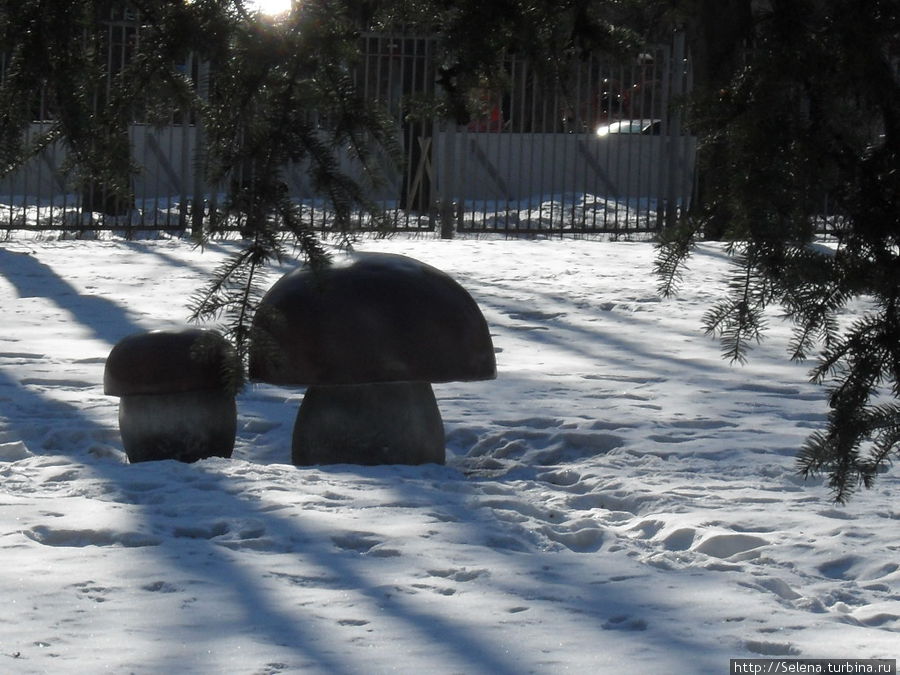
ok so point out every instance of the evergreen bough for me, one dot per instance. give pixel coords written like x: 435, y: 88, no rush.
x: 285, y: 94
x: 814, y: 113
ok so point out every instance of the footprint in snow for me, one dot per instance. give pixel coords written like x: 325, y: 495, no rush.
x: 456, y: 574
x: 562, y: 478
x: 837, y: 514
x: 583, y: 536
x: 777, y: 586
x: 160, y: 587
x: 14, y: 451
x: 728, y: 545
x: 680, y: 539
x: 625, y: 623
x: 569, y: 446
x: 852, y: 567
x: 207, y: 531
x: 442, y: 517
x: 79, y: 538
x: 352, y: 622
x: 646, y: 529
x: 876, y: 619
x: 363, y: 543
x: 535, y: 315
x: 26, y: 356
x: 532, y: 422
x: 256, y: 425
x: 47, y: 382
x: 764, y: 648
x: 435, y: 589
x: 91, y: 591
x: 631, y: 502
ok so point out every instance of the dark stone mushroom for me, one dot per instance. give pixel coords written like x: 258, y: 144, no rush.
x: 177, y: 392
x: 368, y: 335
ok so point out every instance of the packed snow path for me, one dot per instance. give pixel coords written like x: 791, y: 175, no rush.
x: 619, y: 500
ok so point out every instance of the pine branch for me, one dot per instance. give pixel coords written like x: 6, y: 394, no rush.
x: 672, y: 255
x: 739, y: 319
x: 811, y: 294
x: 836, y: 450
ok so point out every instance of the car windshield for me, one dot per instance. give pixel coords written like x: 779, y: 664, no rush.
x: 630, y: 127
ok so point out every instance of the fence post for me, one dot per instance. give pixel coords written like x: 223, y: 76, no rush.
x: 198, y: 202
x: 675, y: 139
x: 448, y: 181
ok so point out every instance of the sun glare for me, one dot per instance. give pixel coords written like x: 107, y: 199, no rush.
x: 270, y: 7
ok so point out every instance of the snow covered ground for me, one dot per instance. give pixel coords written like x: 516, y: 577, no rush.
x: 618, y: 500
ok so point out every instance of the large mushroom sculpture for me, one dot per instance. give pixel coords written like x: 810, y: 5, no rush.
x: 368, y: 335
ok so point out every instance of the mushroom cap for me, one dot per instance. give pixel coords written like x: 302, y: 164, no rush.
x: 168, y: 361
x: 369, y: 317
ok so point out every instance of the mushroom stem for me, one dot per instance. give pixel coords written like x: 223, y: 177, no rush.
x: 186, y: 426
x: 375, y: 423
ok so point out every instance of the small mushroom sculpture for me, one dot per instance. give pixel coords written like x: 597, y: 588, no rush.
x: 177, y: 392
x: 368, y: 335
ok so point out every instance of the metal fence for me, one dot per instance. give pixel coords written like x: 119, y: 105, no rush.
x: 603, y: 151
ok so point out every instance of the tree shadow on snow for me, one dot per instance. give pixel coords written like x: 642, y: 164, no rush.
x: 295, y: 629
x: 31, y: 278
x: 264, y: 614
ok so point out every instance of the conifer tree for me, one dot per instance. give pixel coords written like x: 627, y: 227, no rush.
x: 54, y: 67
x: 810, y: 127
x: 278, y: 92
x: 283, y: 92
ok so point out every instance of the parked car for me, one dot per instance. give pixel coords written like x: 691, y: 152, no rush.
x: 644, y: 127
